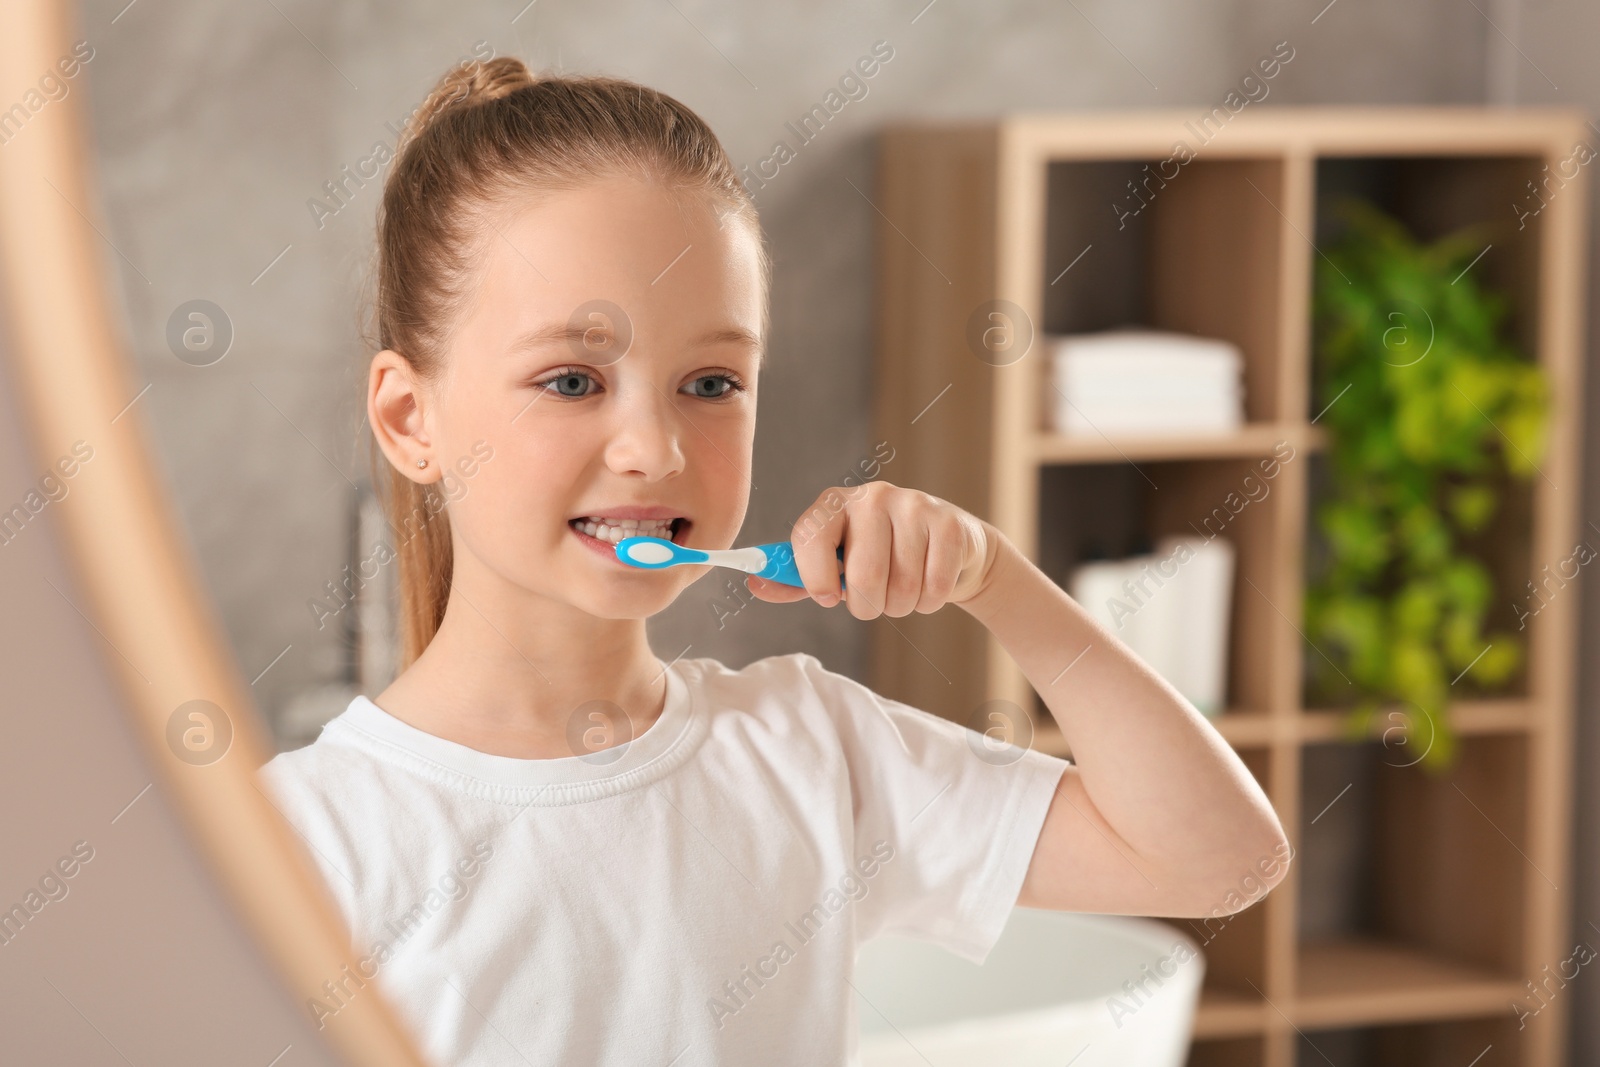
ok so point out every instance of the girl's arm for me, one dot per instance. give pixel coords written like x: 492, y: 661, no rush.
x: 1156, y: 815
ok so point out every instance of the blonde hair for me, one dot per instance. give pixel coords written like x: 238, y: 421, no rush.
x: 488, y: 132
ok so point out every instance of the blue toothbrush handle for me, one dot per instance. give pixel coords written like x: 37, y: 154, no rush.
x: 780, y: 565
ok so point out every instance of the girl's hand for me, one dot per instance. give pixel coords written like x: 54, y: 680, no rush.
x: 904, y: 551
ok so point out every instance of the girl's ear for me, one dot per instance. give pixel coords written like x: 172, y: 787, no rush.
x: 396, y: 411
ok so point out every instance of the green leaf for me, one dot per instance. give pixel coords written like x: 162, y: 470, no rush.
x: 1500, y: 662
x: 1524, y: 435
x: 1441, y: 754
x: 1418, y: 426
x: 1471, y: 506
x: 1355, y: 536
x: 1461, y: 638
x: 1425, y: 537
x: 1416, y: 610
x: 1466, y: 584
x: 1417, y: 673
x: 1356, y: 625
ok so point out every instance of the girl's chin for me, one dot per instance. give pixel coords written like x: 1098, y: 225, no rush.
x: 611, y: 603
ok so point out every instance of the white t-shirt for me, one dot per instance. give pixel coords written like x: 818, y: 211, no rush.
x: 694, y: 896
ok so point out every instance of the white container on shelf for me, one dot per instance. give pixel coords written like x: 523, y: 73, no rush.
x: 1203, y: 589
x: 1149, y: 625
x: 1171, y: 608
x: 1138, y: 382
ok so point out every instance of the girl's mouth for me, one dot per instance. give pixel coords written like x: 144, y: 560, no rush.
x: 602, y: 535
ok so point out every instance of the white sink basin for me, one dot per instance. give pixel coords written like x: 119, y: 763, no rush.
x: 1052, y: 989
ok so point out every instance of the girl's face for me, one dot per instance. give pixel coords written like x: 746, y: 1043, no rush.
x: 605, y: 364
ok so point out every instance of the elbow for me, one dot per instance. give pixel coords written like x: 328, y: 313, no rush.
x: 1254, y: 872
x: 1240, y: 875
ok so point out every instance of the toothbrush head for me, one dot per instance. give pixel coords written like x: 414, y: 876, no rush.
x: 654, y: 553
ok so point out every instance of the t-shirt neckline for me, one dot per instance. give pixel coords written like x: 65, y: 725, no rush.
x: 543, y: 782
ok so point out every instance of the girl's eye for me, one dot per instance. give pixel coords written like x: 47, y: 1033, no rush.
x: 734, y: 385
x: 571, y: 383
x: 565, y: 379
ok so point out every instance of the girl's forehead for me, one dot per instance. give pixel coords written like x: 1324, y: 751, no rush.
x: 634, y: 262
x: 612, y: 206
x: 618, y: 228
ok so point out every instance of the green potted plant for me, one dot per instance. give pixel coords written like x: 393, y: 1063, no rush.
x: 1429, y: 409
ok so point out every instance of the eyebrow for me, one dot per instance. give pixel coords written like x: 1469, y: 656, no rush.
x: 569, y: 332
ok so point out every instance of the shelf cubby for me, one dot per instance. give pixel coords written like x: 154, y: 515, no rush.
x: 1480, y: 1042
x: 1119, y: 238
x: 1226, y: 1052
x: 1453, y: 886
x: 1410, y: 886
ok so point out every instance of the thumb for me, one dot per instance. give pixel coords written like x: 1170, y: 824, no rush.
x: 774, y: 592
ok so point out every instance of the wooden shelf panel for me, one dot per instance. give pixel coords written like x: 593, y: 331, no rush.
x: 1227, y: 1011
x: 1253, y: 729
x: 1316, y: 130
x: 1247, y: 729
x: 1254, y: 439
x: 1467, y: 717
x: 1360, y: 982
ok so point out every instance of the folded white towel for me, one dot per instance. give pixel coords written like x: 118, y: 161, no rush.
x: 1145, y: 381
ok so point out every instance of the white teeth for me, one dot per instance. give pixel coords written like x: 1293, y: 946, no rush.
x: 614, y: 530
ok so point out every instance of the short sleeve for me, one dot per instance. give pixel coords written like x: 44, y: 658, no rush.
x: 297, y: 784
x: 945, y: 823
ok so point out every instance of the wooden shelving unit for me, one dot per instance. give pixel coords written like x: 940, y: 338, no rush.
x: 1459, y: 884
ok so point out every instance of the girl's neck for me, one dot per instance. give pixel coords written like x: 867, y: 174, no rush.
x: 502, y: 680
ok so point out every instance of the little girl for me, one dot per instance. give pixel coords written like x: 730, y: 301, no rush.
x: 550, y: 846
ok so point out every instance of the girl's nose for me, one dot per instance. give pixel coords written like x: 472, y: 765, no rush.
x: 645, y: 435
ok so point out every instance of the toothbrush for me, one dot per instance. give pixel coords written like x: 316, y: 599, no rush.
x: 774, y: 562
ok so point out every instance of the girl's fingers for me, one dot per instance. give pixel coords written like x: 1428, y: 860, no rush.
x: 946, y: 551
x: 908, y: 554
x: 869, y: 540
x: 816, y: 538
x: 904, y: 551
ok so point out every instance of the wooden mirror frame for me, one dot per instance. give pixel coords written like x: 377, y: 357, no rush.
x: 73, y: 367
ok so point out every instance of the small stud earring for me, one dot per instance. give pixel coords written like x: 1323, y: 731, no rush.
x: 422, y: 463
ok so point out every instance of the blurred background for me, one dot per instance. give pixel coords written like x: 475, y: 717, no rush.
x: 217, y: 129
x: 240, y: 152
